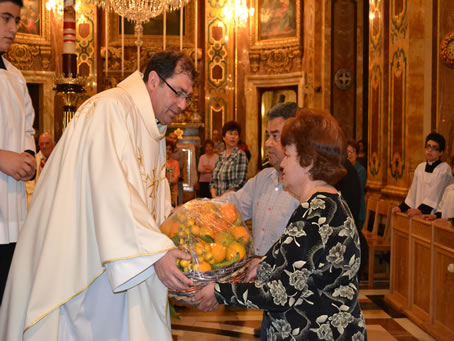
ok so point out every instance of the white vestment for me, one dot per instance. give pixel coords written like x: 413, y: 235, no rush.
x: 428, y: 188
x: 82, y: 269
x: 16, y: 134
x: 446, y: 206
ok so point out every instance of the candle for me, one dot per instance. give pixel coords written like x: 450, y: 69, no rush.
x: 195, y: 36
x: 69, y: 39
x: 122, y: 46
x: 106, y: 12
x: 181, y: 28
x: 69, y: 28
x: 164, y: 27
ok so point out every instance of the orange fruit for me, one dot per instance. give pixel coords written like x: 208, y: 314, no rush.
x: 235, y: 248
x: 224, y: 238
x: 228, y: 212
x: 204, y: 266
x: 218, y: 250
x: 204, y: 231
x: 207, y: 218
x: 174, y: 228
x: 166, y: 226
x: 241, y: 233
x: 221, y: 225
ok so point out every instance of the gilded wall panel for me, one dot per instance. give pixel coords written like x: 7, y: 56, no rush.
x: 87, y: 46
x: 398, y: 115
x: 219, y: 63
x: 375, y: 126
x: 399, y: 24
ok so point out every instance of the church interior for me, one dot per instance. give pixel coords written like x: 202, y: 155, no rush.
x: 383, y: 68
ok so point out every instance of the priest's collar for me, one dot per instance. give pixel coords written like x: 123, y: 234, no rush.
x: 430, y: 167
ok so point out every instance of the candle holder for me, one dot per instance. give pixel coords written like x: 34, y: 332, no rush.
x: 70, y: 89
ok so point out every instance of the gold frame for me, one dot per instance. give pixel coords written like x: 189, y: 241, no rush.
x: 154, y: 40
x: 256, y: 43
x: 37, y: 39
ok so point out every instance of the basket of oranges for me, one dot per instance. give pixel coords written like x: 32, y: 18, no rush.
x: 215, y: 236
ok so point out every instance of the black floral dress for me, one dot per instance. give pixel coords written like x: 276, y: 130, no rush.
x: 306, y: 283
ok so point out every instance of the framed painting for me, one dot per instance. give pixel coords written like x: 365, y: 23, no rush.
x: 276, y: 23
x: 34, y: 25
x: 153, y: 29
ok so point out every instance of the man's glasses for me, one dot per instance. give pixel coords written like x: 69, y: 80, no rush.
x: 431, y: 148
x: 179, y: 94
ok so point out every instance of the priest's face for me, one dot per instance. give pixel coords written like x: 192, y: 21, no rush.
x: 9, y: 19
x: 169, y: 97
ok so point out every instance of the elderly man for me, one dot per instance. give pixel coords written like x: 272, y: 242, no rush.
x: 46, y: 144
x: 91, y: 263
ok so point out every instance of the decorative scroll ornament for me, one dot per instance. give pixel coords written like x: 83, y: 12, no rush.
x: 447, y: 50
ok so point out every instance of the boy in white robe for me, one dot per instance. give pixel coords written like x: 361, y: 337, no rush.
x: 17, y: 145
x: 91, y: 263
x: 429, y: 181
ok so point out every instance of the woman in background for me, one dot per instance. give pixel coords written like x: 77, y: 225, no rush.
x: 172, y: 172
x: 352, y: 156
x: 307, y: 282
x: 230, y: 171
x: 206, y: 167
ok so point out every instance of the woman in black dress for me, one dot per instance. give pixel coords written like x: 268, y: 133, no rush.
x: 307, y: 281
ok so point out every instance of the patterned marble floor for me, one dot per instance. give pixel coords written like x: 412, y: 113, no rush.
x: 229, y: 323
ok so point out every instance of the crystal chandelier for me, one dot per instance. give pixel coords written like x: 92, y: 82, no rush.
x: 140, y: 11
x: 238, y: 11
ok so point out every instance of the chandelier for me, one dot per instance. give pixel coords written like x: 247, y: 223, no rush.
x: 238, y: 11
x: 140, y: 11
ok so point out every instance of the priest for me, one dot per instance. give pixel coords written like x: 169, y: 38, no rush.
x: 91, y: 263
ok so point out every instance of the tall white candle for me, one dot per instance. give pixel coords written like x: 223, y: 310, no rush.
x: 122, y: 46
x: 181, y: 28
x: 164, y: 28
x: 106, y: 11
x: 195, y: 34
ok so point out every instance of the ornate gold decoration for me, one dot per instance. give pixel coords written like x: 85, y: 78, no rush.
x: 70, y: 89
x: 343, y: 78
x: 22, y: 55
x: 45, y: 56
x: 447, y: 49
x: 275, y: 60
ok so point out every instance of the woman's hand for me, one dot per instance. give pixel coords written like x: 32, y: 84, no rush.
x: 252, y: 269
x: 206, y: 299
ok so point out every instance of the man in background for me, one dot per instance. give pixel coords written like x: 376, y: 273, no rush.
x: 17, y: 145
x: 219, y: 146
x: 262, y: 198
x: 46, y: 145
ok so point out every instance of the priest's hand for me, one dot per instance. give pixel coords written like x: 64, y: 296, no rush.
x: 21, y: 167
x: 206, y: 299
x: 168, y: 272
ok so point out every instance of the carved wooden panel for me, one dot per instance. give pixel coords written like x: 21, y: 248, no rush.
x: 421, y: 273
x: 443, y: 314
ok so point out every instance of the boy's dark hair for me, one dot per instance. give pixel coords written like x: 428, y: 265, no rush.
x: 230, y: 126
x: 170, y: 62
x: 19, y: 3
x: 434, y: 136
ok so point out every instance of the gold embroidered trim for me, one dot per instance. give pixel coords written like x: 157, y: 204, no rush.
x: 141, y: 255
